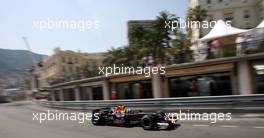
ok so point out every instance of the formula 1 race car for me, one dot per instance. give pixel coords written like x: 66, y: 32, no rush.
x: 148, y: 121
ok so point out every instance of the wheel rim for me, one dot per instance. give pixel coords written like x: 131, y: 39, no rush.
x: 146, y: 122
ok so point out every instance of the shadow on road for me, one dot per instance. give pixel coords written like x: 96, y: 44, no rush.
x: 176, y: 126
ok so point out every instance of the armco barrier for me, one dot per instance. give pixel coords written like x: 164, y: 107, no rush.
x: 250, y: 103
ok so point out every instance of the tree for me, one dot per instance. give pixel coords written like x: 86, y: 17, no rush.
x: 140, y: 42
x: 116, y: 56
x: 136, y: 35
x: 163, y: 34
x: 145, y: 42
x: 85, y: 71
x: 181, y: 48
x: 196, y: 14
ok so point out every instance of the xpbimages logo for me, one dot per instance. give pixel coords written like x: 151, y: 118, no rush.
x: 80, y: 25
x: 125, y: 70
x: 81, y: 117
x: 192, y: 116
x: 180, y: 23
x: 56, y: 115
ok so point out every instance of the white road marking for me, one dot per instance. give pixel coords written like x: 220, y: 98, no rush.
x: 198, y: 125
x: 258, y: 127
x: 227, y: 126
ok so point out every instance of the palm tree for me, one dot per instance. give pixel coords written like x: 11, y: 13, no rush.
x: 130, y: 52
x: 181, y: 48
x: 136, y: 35
x: 161, y: 35
x: 144, y: 42
x: 87, y: 70
x: 153, y: 41
x: 116, y: 56
x: 160, y: 23
x: 196, y: 14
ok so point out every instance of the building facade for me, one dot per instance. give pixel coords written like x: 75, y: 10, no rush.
x: 64, y: 66
x: 225, y: 76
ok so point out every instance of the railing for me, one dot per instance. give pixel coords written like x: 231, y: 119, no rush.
x: 231, y: 50
x: 230, y: 103
x: 210, y: 50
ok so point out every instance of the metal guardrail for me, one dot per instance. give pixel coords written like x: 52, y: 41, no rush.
x: 233, y: 102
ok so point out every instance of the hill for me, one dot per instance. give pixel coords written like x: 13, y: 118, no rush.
x: 14, y: 65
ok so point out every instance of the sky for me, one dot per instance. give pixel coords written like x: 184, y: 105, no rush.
x: 17, y: 18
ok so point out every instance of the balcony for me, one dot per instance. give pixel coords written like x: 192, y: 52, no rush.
x: 208, y: 52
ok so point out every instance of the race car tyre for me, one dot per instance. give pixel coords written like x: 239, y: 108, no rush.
x: 127, y: 122
x: 171, y: 126
x: 97, y: 118
x: 148, y: 122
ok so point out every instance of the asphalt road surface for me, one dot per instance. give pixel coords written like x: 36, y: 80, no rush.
x: 16, y: 121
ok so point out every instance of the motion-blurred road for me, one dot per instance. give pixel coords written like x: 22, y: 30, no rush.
x: 16, y: 121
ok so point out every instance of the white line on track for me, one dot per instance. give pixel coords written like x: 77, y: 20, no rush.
x: 258, y: 127
x: 198, y: 125
x: 228, y: 126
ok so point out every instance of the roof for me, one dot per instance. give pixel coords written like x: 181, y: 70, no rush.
x: 221, y: 29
